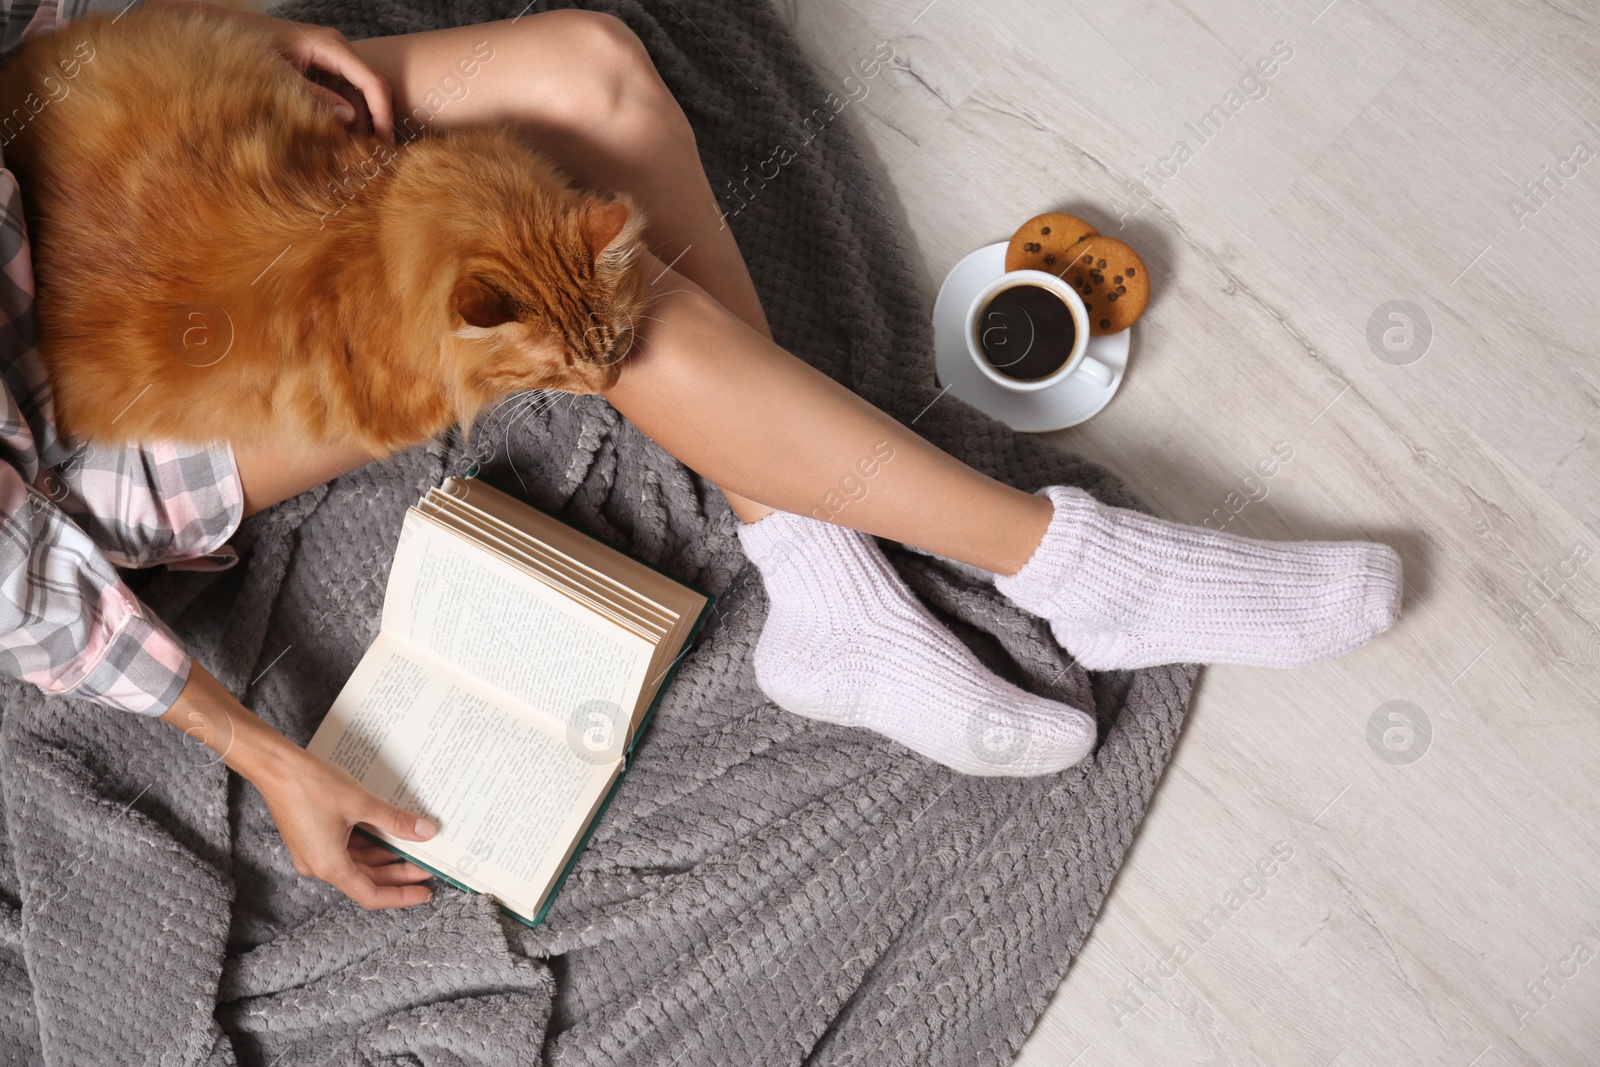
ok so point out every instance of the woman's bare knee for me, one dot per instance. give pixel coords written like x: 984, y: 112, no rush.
x: 615, y: 93
x: 580, y: 80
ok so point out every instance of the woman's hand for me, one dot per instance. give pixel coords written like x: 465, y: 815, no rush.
x: 314, y: 802
x: 309, y: 46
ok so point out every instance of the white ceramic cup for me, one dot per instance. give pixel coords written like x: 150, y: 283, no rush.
x: 1079, y: 363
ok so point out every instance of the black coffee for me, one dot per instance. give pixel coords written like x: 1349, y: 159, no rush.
x: 1026, y: 332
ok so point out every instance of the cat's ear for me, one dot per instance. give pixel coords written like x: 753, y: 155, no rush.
x: 602, y: 221
x: 481, y: 304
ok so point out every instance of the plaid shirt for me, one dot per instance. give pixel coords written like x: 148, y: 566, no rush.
x: 70, y: 515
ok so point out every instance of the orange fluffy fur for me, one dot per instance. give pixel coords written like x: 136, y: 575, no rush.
x: 219, y: 259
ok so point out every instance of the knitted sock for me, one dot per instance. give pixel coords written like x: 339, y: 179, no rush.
x: 846, y: 641
x: 1122, y: 590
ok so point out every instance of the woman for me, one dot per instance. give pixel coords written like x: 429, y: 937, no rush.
x: 844, y: 640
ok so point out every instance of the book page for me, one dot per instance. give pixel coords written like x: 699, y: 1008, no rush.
x: 607, y: 563
x: 488, y: 619
x: 509, y: 793
x: 579, y: 572
x: 553, y: 571
x: 675, y: 601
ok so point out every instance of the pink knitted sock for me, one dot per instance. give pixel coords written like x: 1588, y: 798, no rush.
x: 847, y: 642
x: 1122, y: 589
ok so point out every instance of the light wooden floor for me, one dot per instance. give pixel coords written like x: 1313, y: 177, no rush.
x: 1444, y: 910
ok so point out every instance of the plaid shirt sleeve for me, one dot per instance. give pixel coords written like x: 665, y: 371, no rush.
x: 69, y: 516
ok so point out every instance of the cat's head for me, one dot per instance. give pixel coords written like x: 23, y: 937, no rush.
x: 542, y: 282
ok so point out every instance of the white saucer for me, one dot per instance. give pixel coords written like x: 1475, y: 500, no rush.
x: 1064, y: 404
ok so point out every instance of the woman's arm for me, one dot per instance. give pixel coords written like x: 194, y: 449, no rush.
x: 314, y: 802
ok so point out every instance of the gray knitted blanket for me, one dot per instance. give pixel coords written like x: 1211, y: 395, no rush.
x: 764, y: 889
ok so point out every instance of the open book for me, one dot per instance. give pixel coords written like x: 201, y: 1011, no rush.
x: 516, y: 663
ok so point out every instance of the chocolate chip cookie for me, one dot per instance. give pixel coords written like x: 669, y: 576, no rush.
x: 1112, y: 280
x: 1042, y: 242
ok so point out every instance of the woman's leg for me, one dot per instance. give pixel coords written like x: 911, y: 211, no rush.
x: 708, y: 384
x: 756, y: 420
x: 286, y: 468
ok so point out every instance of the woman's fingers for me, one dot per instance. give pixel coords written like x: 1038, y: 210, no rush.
x: 370, y: 889
x: 367, y: 854
x: 399, y: 822
x: 327, y: 49
x: 383, y: 883
x: 394, y: 873
x: 316, y: 805
x: 340, y: 105
x: 376, y: 92
x: 388, y: 885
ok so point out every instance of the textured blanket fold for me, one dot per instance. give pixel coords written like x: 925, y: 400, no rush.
x: 764, y: 889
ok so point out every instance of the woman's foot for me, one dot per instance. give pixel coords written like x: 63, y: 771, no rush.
x: 847, y: 642
x: 1122, y: 590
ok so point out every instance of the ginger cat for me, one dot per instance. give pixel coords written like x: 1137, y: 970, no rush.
x: 219, y: 259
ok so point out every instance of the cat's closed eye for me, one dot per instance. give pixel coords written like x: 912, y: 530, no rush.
x: 482, y: 304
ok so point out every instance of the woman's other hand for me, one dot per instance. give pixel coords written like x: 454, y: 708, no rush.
x: 309, y: 46
x: 315, y: 803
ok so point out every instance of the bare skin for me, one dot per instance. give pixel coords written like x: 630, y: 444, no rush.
x: 705, y: 381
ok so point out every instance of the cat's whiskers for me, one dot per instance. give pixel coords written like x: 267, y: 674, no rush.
x: 517, y: 405
x: 508, y: 409
x: 502, y: 402
x: 509, y: 405
x: 537, y: 402
x: 541, y: 405
x: 525, y: 405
